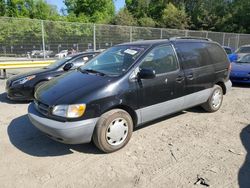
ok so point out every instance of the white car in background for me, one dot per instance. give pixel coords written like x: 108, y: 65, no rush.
x: 242, y: 51
x: 62, y: 54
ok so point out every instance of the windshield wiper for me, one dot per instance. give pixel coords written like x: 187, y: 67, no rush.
x: 93, y: 71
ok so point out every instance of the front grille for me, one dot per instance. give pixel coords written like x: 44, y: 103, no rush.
x: 41, y: 107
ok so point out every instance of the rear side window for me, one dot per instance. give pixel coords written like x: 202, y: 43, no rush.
x: 161, y: 59
x: 217, y: 53
x: 193, y: 54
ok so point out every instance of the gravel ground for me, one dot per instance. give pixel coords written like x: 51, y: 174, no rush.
x: 174, y: 151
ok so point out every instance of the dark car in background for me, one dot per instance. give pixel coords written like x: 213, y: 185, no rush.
x: 240, y: 72
x: 22, y: 86
x: 128, y: 85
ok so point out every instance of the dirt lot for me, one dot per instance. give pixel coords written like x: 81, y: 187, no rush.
x: 169, y: 152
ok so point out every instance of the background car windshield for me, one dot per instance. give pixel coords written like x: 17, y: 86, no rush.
x: 244, y: 50
x: 116, y: 60
x: 244, y: 59
x: 58, y: 63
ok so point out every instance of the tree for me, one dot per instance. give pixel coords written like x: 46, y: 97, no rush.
x: 138, y: 8
x: 124, y: 17
x: 173, y: 17
x: 146, y: 22
x: 2, y: 7
x: 38, y: 9
x: 240, y: 19
x: 44, y: 11
x: 101, y: 11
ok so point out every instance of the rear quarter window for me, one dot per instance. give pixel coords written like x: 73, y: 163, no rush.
x: 193, y: 54
x: 217, y: 53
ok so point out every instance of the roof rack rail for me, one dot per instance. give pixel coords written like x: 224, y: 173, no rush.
x: 199, y: 38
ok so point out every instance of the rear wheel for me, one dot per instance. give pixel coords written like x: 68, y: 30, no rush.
x: 113, y: 130
x: 215, y: 100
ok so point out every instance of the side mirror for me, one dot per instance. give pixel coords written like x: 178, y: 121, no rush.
x: 146, y: 74
x: 68, y: 66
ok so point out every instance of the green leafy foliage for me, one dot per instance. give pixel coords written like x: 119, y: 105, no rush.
x: 101, y: 11
x: 173, y: 17
x: 214, y: 15
x: 124, y: 17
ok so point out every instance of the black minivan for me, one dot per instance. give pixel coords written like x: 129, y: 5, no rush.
x: 130, y: 84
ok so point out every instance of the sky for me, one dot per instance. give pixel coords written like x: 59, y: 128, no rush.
x: 59, y: 3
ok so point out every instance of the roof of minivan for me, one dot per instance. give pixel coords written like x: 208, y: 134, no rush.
x: 161, y: 41
x: 146, y: 42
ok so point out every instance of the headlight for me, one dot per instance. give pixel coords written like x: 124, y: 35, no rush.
x: 23, y: 80
x: 69, y: 111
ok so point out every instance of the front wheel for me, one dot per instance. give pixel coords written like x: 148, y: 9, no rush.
x: 113, y: 130
x: 215, y: 100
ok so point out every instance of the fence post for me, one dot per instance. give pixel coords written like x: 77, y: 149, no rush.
x: 186, y: 33
x: 131, y: 34
x: 223, y: 41
x: 94, y: 37
x: 206, y: 34
x: 238, y: 41
x: 43, y: 39
x: 161, y: 33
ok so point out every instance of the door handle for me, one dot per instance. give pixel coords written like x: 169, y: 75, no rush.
x: 180, y: 79
x: 190, y: 76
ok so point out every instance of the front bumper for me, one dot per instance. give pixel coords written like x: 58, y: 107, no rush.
x: 19, y: 93
x: 228, y: 85
x: 76, y: 132
x: 240, y: 79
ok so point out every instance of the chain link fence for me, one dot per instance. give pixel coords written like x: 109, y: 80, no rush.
x: 30, y: 38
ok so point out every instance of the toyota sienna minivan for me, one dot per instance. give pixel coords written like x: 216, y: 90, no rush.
x: 130, y: 84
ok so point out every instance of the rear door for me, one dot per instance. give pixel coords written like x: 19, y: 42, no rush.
x: 161, y: 95
x: 198, y: 69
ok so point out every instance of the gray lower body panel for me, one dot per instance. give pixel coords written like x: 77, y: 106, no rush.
x: 66, y: 132
x: 169, y: 107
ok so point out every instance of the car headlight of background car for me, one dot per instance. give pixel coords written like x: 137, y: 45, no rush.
x: 69, y: 111
x: 23, y: 80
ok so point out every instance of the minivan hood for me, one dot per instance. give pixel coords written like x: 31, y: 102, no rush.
x: 70, y: 87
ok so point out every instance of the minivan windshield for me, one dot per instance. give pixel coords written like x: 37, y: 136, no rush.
x: 115, y: 61
x: 58, y: 63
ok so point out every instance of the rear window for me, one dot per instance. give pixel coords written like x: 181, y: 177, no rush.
x: 193, y: 54
x: 217, y: 53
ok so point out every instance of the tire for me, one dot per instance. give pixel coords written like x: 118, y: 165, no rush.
x: 38, y: 85
x: 214, y: 102
x: 106, y: 139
